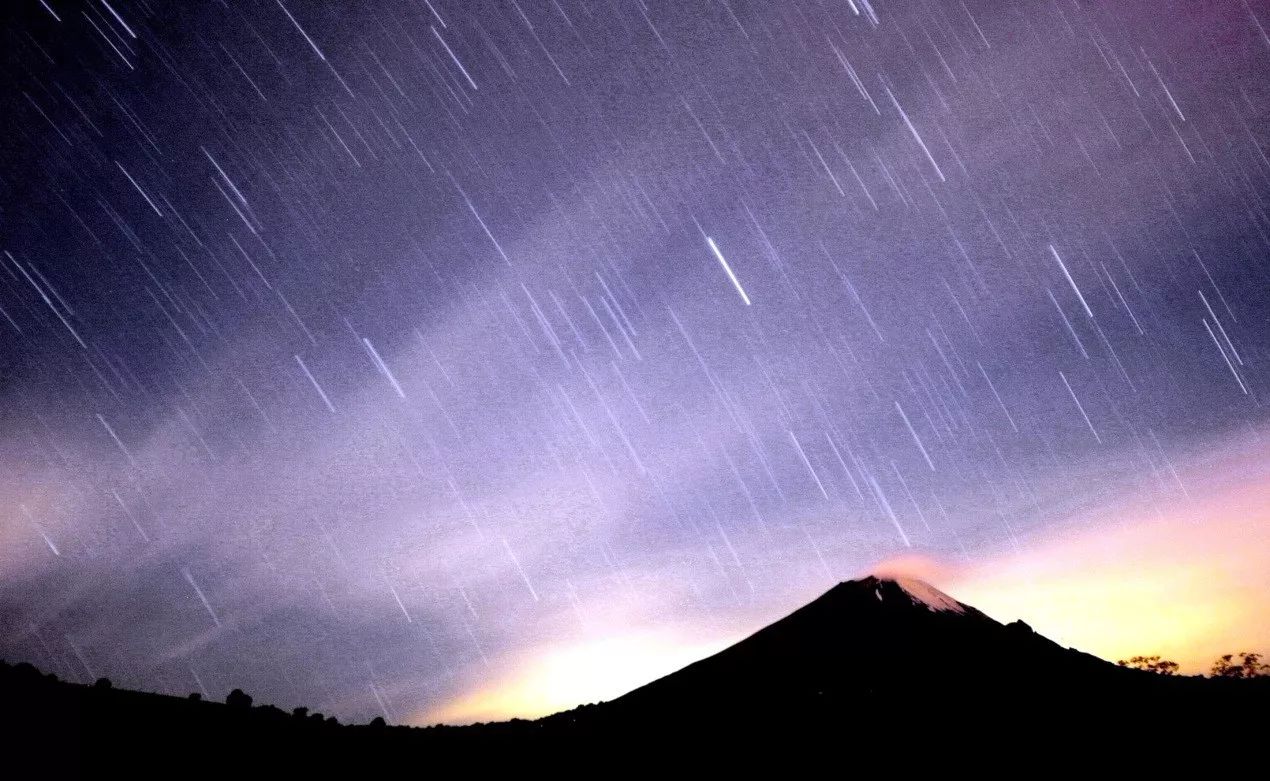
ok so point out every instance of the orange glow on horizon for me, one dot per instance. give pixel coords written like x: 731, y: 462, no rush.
x: 1189, y: 586
x: 562, y: 677
x: 1190, y: 583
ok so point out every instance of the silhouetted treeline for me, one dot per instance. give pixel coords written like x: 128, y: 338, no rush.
x: 1242, y: 665
x: 73, y: 730
x: 68, y: 730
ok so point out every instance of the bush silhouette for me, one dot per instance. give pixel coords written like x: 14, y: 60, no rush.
x: 1153, y: 664
x: 195, y: 696
x: 300, y: 712
x: 103, y: 683
x: 378, y: 722
x: 238, y: 699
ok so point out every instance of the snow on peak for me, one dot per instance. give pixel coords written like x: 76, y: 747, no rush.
x: 923, y: 593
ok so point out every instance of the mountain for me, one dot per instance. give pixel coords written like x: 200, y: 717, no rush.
x: 881, y: 668
x: 875, y: 652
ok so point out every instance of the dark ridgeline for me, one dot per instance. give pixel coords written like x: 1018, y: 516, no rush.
x: 874, y: 665
x: 897, y: 661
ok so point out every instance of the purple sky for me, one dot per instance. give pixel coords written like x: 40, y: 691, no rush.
x: 349, y: 357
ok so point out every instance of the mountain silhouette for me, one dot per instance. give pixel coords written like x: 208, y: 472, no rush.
x: 876, y: 642
x: 876, y: 652
x: 872, y: 666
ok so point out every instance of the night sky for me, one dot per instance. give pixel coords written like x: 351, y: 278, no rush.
x: 355, y: 353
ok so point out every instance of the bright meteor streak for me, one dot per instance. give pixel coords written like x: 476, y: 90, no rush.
x: 723, y: 262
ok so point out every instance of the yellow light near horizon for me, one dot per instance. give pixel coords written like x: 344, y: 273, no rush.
x: 1188, y: 585
x: 1187, y: 589
x: 565, y: 676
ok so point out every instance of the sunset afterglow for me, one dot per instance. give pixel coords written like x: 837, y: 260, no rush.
x: 1189, y: 581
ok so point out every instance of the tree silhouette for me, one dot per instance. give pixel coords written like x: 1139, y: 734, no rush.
x: 378, y: 722
x: 103, y: 683
x: 1248, y: 665
x: 238, y: 699
x: 300, y: 712
x: 1153, y: 664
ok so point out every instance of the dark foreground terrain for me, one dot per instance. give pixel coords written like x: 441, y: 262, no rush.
x: 876, y: 669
